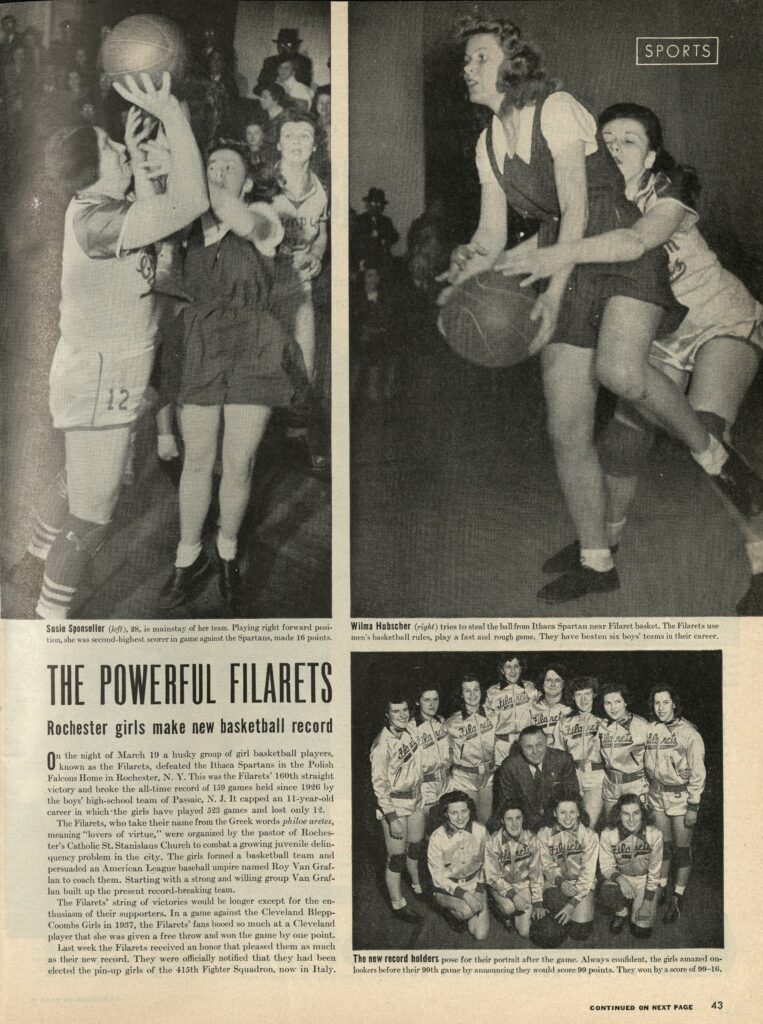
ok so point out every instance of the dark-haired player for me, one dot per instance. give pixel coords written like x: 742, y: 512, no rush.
x: 630, y: 853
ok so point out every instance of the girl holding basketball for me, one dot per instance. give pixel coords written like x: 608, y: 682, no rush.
x: 717, y: 349
x: 105, y: 353
x: 543, y: 155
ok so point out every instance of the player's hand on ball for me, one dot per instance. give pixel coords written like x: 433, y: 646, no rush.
x: 156, y: 101
x: 565, y: 914
x: 539, y: 913
x: 690, y: 818
x: 545, y: 310
x: 459, y: 260
x: 474, y: 901
x: 626, y: 888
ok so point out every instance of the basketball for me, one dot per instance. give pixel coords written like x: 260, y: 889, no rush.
x: 487, y: 320
x: 145, y: 42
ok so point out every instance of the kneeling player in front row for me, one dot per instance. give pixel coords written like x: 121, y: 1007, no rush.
x: 512, y: 870
x: 569, y: 852
x: 456, y: 856
x: 630, y: 856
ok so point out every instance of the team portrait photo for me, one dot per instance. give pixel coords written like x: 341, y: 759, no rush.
x: 556, y: 325
x: 165, y: 267
x: 567, y: 799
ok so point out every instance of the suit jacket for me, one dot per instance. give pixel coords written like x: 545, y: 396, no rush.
x: 516, y: 783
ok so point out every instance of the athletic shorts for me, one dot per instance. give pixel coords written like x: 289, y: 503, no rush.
x: 672, y: 804
x: 95, y: 390
x: 590, y: 780
x: 235, y: 357
x: 743, y: 321
x: 612, y: 791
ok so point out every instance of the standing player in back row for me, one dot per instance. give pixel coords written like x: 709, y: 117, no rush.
x: 623, y: 743
x: 579, y: 735
x: 510, y: 700
x: 675, y: 769
x: 105, y: 354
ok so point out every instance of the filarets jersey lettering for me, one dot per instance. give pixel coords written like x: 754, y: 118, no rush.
x: 107, y: 300
x: 301, y: 216
x: 456, y: 858
x: 511, y: 706
x: 396, y: 771
x: 675, y: 756
x: 623, y: 744
x: 472, y: 739
x: 636, y: 854
x: 569, y: 856
x: 512, y: 864
x: 547, y: 715
x: 578, y: 734
x: 436, y: 758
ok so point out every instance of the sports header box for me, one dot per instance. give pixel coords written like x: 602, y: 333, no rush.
x: 671, y: 51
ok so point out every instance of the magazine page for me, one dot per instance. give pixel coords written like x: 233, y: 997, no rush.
x: 382, y: 504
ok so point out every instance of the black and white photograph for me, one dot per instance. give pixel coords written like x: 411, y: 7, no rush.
x: 558, y: 799
x: 165, y: 268
x: 555, y: 328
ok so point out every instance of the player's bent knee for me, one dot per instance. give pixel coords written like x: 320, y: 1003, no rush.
x: 624, y: 447
x: 667, y: 851
x: 413, y: 851
x: 610, y: 897
x: 626, y: 381
x: 396, y: 863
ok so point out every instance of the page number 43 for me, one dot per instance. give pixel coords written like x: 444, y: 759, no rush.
x: 717, y: 1005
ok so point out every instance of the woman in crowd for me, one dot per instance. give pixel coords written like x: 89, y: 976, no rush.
x: 104, y: 357
x: 568, y: 853
x: 512, y: 868
x: 396, y: 777
x: 542, y: 154
x: 630, y: 854
x: 436, y: 757
x: 715, y: 353
x: 273, y: 99
x: 549, y: 708
x: 455, y: 855
x: 578, y: 734
x: 623, y: 742
x: 472, y: 740
x: 675, y: 769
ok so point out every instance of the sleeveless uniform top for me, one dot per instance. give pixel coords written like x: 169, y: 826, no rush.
x: 530, y: 189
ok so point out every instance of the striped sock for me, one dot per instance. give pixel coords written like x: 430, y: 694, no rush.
x: 55, y: 599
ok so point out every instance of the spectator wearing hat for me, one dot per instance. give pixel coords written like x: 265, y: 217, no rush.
x: 375, y: 234
x: 288, y: 43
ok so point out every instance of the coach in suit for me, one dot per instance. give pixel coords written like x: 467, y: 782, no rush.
x: 533, y: 773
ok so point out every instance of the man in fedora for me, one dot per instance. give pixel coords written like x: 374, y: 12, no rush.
x: 287, y: 43
x: 375, y: 234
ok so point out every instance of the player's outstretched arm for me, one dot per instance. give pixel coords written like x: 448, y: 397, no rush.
x: 619, y: 246
x: 186, y: 196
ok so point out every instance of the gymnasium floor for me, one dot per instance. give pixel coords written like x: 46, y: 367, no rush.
x: 456, y: 506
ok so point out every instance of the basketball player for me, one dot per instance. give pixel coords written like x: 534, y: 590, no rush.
x: 472, y: 741
x: 105, y: 353
x: 543, y: 155
x: 630, y: 852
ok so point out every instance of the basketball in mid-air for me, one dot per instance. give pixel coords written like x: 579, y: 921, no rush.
x: 487, y: 320
x: 144, y: 42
